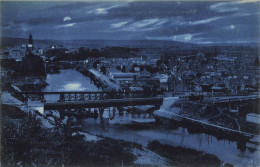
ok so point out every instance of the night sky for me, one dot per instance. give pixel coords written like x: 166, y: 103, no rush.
x: 194, y: 22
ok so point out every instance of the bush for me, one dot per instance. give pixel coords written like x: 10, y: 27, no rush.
x: 184, y: 156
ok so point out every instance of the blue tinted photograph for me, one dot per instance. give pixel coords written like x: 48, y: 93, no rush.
x: 130, y: 83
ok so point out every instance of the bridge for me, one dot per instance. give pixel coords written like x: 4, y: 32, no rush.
x: 100, y: 100
x: 221, y: 99
x: 234, y: 98
x: 84, y: 96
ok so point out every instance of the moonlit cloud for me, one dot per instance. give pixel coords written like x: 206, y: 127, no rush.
x: 230, y: 27
x: 144, y: 23
x: 185, y: 21
x: 147, y: 24
x: 25, y: 27
x: 224, y: 7
x: 120, y: 24
x: 204, y: 21
x: 182, y: 37
x: 103, y: 10
x: 65, y: 25
x: 179, y: 38
x: 67, y: 18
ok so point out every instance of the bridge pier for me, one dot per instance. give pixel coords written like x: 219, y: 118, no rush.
x: 95, y: 113
x: 157, y: 107
x: 120, y: 113
x: 62, y: 98
x: 114, y: 111
x: 42, y: 98
x: 101, y: 111
x: 144, y: 115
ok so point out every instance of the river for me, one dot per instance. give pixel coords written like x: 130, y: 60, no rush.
x: 227, y: 151
x: 67, y: 81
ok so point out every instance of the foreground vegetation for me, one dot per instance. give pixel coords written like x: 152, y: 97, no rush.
x: 25, y: 142
x: 184, y: 157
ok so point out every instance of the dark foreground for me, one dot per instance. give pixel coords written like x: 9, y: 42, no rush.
x: 26, y: 142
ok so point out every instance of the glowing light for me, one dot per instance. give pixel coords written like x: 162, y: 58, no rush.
x: 74, y: 87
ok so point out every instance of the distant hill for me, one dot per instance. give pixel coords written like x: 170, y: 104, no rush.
x: 12, y: 42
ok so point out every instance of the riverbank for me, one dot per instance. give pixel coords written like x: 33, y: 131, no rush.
x: 204, y: 117
x: 54, y: 136
x: 180, y: 156
x: 100, y: 80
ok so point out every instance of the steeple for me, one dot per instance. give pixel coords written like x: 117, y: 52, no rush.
x: 30, y: 39
x: 29, y: 46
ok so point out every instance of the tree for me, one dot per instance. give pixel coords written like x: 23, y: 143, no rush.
x: 118, y: 67
x: 95, y: 53
x: 103, y: 70
x: 96, y: 63
x: 32, y: 65
x: 257, y: 63
x: 124, y: 69
x: 158, y: 63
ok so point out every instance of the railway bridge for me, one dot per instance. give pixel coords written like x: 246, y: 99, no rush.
x: 99, y: 100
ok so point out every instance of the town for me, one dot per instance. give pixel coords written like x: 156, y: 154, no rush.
x: 215, y: 86
x: 130, y: 83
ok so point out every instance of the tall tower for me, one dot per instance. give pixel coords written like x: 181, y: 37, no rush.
x: 29, y: 46
x: 30, y: 39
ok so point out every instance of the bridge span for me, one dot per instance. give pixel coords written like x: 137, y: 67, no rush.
x: 99, y: 100
x: 85, y: 96
x: 157, y: 101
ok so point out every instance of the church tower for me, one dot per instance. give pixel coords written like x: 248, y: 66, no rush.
x: 29, y: 47
x: 30, y: 39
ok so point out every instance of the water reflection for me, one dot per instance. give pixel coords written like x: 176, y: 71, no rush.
x: 74, y: 87
x: 68, y: 80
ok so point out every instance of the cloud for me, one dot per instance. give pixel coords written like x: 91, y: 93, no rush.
x: 244, y: 14
x: 65, y: 25
x: 247, y: 1
x: 223, y: 7
x: 182, y: 37
x: 120, y: 24
x: 204, y: 21
x: 146, y: 25
x: 25, y: 27
x: 165, y: 20
x: 103, y: 10
x: 67, y: 18
x: 230, y: 27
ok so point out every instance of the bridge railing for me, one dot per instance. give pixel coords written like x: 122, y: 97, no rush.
x: 83, y: 96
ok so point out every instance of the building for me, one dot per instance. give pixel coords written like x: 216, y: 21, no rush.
x: 163, y: 79
x: 253, y: 118
x: 29, y: 46
x: 223, y: 59
x: 56, y: 46
x: 124, y: 78
x: 144, y: 74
